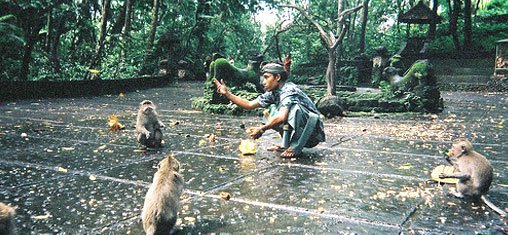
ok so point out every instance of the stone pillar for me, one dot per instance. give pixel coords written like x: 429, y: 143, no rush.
x: 164, y: 68
x: 364, y: 66
x: 501, y: 64
x: 379, y: 63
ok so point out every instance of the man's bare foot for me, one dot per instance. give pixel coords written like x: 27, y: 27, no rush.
x: 276, y: 148
x: 288, y: 153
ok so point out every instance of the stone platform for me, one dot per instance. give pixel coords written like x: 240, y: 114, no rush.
x: 66, y: 173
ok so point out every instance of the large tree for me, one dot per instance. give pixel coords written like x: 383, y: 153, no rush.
x: 332, y: 41
x: 99, y: 48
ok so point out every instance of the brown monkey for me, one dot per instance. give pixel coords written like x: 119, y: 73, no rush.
x: 163, y: 198
x: 474, y: 172
x: 7, y: 214
x: 148, y: 125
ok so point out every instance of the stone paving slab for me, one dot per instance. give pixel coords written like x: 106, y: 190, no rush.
x: 68, y: 174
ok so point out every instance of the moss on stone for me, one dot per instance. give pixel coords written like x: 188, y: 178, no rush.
x: 241, y: 82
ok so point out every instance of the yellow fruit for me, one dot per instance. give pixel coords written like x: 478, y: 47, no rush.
x: 247, y: 147
x: 443, y: 169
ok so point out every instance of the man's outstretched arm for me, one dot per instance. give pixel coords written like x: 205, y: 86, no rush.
x: 223, y: 90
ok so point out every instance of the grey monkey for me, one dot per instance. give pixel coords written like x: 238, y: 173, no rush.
x: 163, y: 198
x: 474, y: 172
x: 148, y: 125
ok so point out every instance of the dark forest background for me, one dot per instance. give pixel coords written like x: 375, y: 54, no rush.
x: 111, y: 39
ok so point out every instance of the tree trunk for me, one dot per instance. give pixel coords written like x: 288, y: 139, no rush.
x: 468, y: 31
x: 365, y: 12
x: 454, y: 16
x: 332, y: 42
x: 331, y: 79
x: 120, y: 21
x: 128, y: 17
x: 102, y: 36
x: 55, y: 47
x: 153, y: 25
x: 27, y: 57
x: 340, y: 8
x: 432, y: 27
x: 49, y: 29
x: 31, y: 31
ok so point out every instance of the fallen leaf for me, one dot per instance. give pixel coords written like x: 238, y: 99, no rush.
x: 101, y: 147
x: 67, y: 148
x: 94, y: 71
x: 114, y: 124
x: 61, y: 169
x: 38, y: 217
x: 189, y: 219
x: 202, y: 142
x: 212, y: 138
x: 405, y: 166
x: 225, y: 195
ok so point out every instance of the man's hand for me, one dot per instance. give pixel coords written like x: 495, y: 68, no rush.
x: 221, y: 87
x: 255, y: 132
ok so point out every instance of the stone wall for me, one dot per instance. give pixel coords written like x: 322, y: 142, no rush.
x: 16, y: 90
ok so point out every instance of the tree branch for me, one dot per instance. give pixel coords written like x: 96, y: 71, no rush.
x: 340, y: 17
x: 322, y: 32
x: 279, y: 30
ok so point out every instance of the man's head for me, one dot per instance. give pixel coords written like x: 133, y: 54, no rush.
x: 273, y: 74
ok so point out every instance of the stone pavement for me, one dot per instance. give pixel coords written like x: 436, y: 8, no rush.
x: 68, y: 174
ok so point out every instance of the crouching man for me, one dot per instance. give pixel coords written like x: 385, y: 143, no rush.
x: 296, y: 117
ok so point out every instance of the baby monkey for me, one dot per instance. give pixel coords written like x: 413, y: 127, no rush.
x: 7, y: 214
x: 148, y: 125
x: 474, y: 172
x: 163, y: 198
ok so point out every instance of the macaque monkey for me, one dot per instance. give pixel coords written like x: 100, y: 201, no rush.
x: 474, y: 172
x: 7, y: 214
x: 163, y: 198
x: 148, y: 125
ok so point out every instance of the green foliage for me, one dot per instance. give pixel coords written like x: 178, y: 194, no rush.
x: 348, y: 75
x: 240, y: 82
x: 494, y: 7
x: 11, y: 47
x: 416, y: 92
x: 189, y: 30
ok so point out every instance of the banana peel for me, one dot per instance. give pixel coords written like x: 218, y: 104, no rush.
x: 247, y: 147
x: 446, y: 170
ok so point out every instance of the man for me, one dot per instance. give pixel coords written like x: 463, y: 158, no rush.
x: 295, y: 111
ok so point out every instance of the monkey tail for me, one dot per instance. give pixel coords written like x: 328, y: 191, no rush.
x: 493, y: 207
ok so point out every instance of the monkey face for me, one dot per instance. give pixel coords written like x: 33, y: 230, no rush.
x: 460, y: 147
x: 455, y: 150
x: 147, y: 106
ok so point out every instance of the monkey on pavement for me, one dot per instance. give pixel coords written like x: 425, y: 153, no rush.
x: 163, y: 197
x: 474, y: 172
x: 148, y: 125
